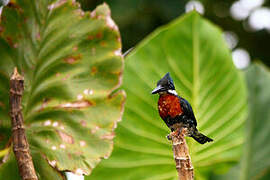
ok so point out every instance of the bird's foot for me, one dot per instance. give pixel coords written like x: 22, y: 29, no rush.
x: 175, y: 133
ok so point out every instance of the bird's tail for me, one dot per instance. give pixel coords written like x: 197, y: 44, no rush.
x: 200, y: 138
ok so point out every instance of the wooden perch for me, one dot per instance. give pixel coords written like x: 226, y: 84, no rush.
x: 20, y: 143
x: 181, y: 154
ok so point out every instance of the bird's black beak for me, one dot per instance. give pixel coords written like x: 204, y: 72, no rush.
x: 157, y: 89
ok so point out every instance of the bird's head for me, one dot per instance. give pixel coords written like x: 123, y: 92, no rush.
x: 165, y: 85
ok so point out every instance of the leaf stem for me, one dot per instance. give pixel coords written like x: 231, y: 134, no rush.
x: 181, y: 154
x: 19, y: 141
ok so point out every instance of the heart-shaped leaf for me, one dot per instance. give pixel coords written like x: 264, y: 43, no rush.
x: 71, y: 62
x: 195, y: 53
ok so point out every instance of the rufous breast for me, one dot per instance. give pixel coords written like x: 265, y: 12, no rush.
x: 169, y: 105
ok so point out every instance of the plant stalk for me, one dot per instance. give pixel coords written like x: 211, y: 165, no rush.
x: 181, y: 154
x: 20, y: 143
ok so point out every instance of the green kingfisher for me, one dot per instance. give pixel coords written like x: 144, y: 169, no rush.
x: 175, y: 111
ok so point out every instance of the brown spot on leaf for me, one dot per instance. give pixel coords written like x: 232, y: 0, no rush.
x: 2, y: 136
x: 2, y: 104
x: 77, y: 104
x: 56, y: 4
x: 94, y: 130
x: 78, y: 153
x: 93, y: 70
x: 9, y: 41
x: 38, y: 36
x: 99, y: 35
x: 73, y: 59
x: 121, y: 107
x: 69, y: 156
x: 66, y: 77
x: 108, y: 136
x: 1, y: 30
x: 83, y: 123
x: 75, y: 48
x: 25, y: 20
x: 103, y: 43
x: 15, y: 45
x: 66, y: 137
x: 90, y: 37
x: 99, y: 17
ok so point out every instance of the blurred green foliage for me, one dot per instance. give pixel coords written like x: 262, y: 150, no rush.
x: 138, y: 18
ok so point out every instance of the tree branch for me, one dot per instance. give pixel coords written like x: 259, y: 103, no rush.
x: 20, y: 144
x: 181, y: 154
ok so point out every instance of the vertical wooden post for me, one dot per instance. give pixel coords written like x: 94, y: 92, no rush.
x: 181, y: 155
x: 20, y: 144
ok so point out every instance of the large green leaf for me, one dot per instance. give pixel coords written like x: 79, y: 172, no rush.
x: 71, y: 61
x: 195, y: 53
x: 256, y: 159
x: 255, y: 163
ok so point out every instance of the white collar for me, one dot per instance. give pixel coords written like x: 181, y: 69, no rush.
x: 172, y: 92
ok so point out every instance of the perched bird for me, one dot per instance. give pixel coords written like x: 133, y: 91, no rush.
x: 175, y: 111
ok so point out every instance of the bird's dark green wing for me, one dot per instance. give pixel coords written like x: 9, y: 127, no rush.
x: 187, y: 110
